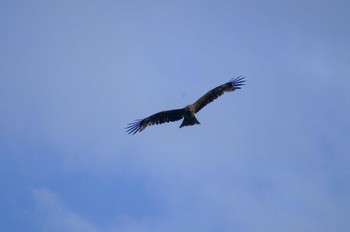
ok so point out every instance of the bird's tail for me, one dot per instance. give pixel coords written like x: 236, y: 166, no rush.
x: 189, y: 121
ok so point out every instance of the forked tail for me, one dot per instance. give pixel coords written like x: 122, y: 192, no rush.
x: 189, y: 121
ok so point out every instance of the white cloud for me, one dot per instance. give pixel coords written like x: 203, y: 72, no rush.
x: 57, y: 216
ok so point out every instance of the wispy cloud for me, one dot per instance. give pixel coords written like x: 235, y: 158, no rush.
x: 57, y: 216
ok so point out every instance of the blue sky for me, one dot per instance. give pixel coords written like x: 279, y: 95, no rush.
x: 273, y: 156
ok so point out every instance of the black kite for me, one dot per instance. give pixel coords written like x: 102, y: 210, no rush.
x: 188, y: 112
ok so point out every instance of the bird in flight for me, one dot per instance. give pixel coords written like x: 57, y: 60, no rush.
x: 188, y: 112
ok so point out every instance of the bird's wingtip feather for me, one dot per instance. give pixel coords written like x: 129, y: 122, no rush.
x: 237, y: 82
x: 134, y: 127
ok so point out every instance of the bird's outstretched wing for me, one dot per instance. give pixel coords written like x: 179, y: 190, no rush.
x: 213, y: 94
x: 158, y: 118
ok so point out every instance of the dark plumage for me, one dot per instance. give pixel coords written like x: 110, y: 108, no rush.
x: 188, y: 112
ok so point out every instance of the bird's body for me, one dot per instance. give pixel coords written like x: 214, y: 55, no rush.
x: 189, y: 116
x: 188, y: 112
